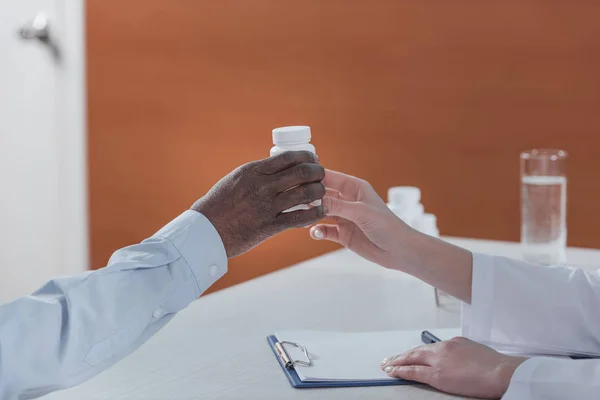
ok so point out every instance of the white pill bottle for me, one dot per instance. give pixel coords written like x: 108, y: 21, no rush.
x: 293, y: 138
x: 405, y: 202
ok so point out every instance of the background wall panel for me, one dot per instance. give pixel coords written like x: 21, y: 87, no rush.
x: 442, y: 95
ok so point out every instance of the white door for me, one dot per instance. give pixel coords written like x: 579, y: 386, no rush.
x: 43, y: 223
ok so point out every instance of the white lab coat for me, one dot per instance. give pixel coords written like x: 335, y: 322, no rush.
x: 518, y: 306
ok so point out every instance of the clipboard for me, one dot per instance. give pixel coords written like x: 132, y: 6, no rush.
x: 288, y: 366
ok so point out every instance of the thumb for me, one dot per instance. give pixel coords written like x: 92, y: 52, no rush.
x: 326, y: 232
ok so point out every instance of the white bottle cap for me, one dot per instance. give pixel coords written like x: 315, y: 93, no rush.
x: 404, y: 195
x: 291, y: 134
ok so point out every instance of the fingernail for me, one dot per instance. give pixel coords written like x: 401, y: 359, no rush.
x: 325, y: 210
x: 389, y: 369
x: 318, y: 234
x: 385, y: 361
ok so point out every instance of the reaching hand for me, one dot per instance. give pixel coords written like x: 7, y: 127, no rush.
x: 458, y: 366
x: 246, y: 206
x: 364, y: 224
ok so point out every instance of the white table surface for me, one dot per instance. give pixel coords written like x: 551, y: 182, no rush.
x: 217, y: 349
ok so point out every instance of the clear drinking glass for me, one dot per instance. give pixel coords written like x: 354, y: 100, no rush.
x: 544, y: 206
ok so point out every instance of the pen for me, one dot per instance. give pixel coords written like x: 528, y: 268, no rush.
x: 429, y: 338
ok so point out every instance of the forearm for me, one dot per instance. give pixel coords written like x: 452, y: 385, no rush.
x: 443, y: 265
x: 65, y: 333
x: 75, y: 327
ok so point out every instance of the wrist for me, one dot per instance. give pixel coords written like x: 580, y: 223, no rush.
x: 412, y: 251
x: 437, y: 262
x: 422, y: 254
x: 201, y: 207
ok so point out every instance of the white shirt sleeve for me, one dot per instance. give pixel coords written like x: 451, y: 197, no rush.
x: 73, y: 328
x: 542, y: 378
x: 518, y: 306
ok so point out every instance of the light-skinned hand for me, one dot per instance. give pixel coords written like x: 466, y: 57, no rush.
x: 246, y: 206
x: 364, y: 224
x: 458, y: 366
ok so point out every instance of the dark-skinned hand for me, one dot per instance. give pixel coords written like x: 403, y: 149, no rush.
x: 246, y: 206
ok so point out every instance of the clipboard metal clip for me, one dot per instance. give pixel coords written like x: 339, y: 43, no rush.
x: 286, y: 360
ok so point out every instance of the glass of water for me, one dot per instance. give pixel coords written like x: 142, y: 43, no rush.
x: 544, y: 206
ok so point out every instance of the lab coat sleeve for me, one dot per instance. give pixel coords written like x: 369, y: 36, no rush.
x: 523, y: 307
x: 526, y: 307
x: 542, y: 378
x: 75, y: 327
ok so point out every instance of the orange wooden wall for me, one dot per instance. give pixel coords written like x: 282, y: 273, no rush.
x: 443, y: 95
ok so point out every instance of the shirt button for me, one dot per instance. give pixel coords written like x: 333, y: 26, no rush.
x: 213, y: 270
x: 159, y: 312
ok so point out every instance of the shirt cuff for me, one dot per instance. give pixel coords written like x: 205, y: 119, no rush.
x: 200, y: 245
x: 520, y: 383
x: 482, y: 295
